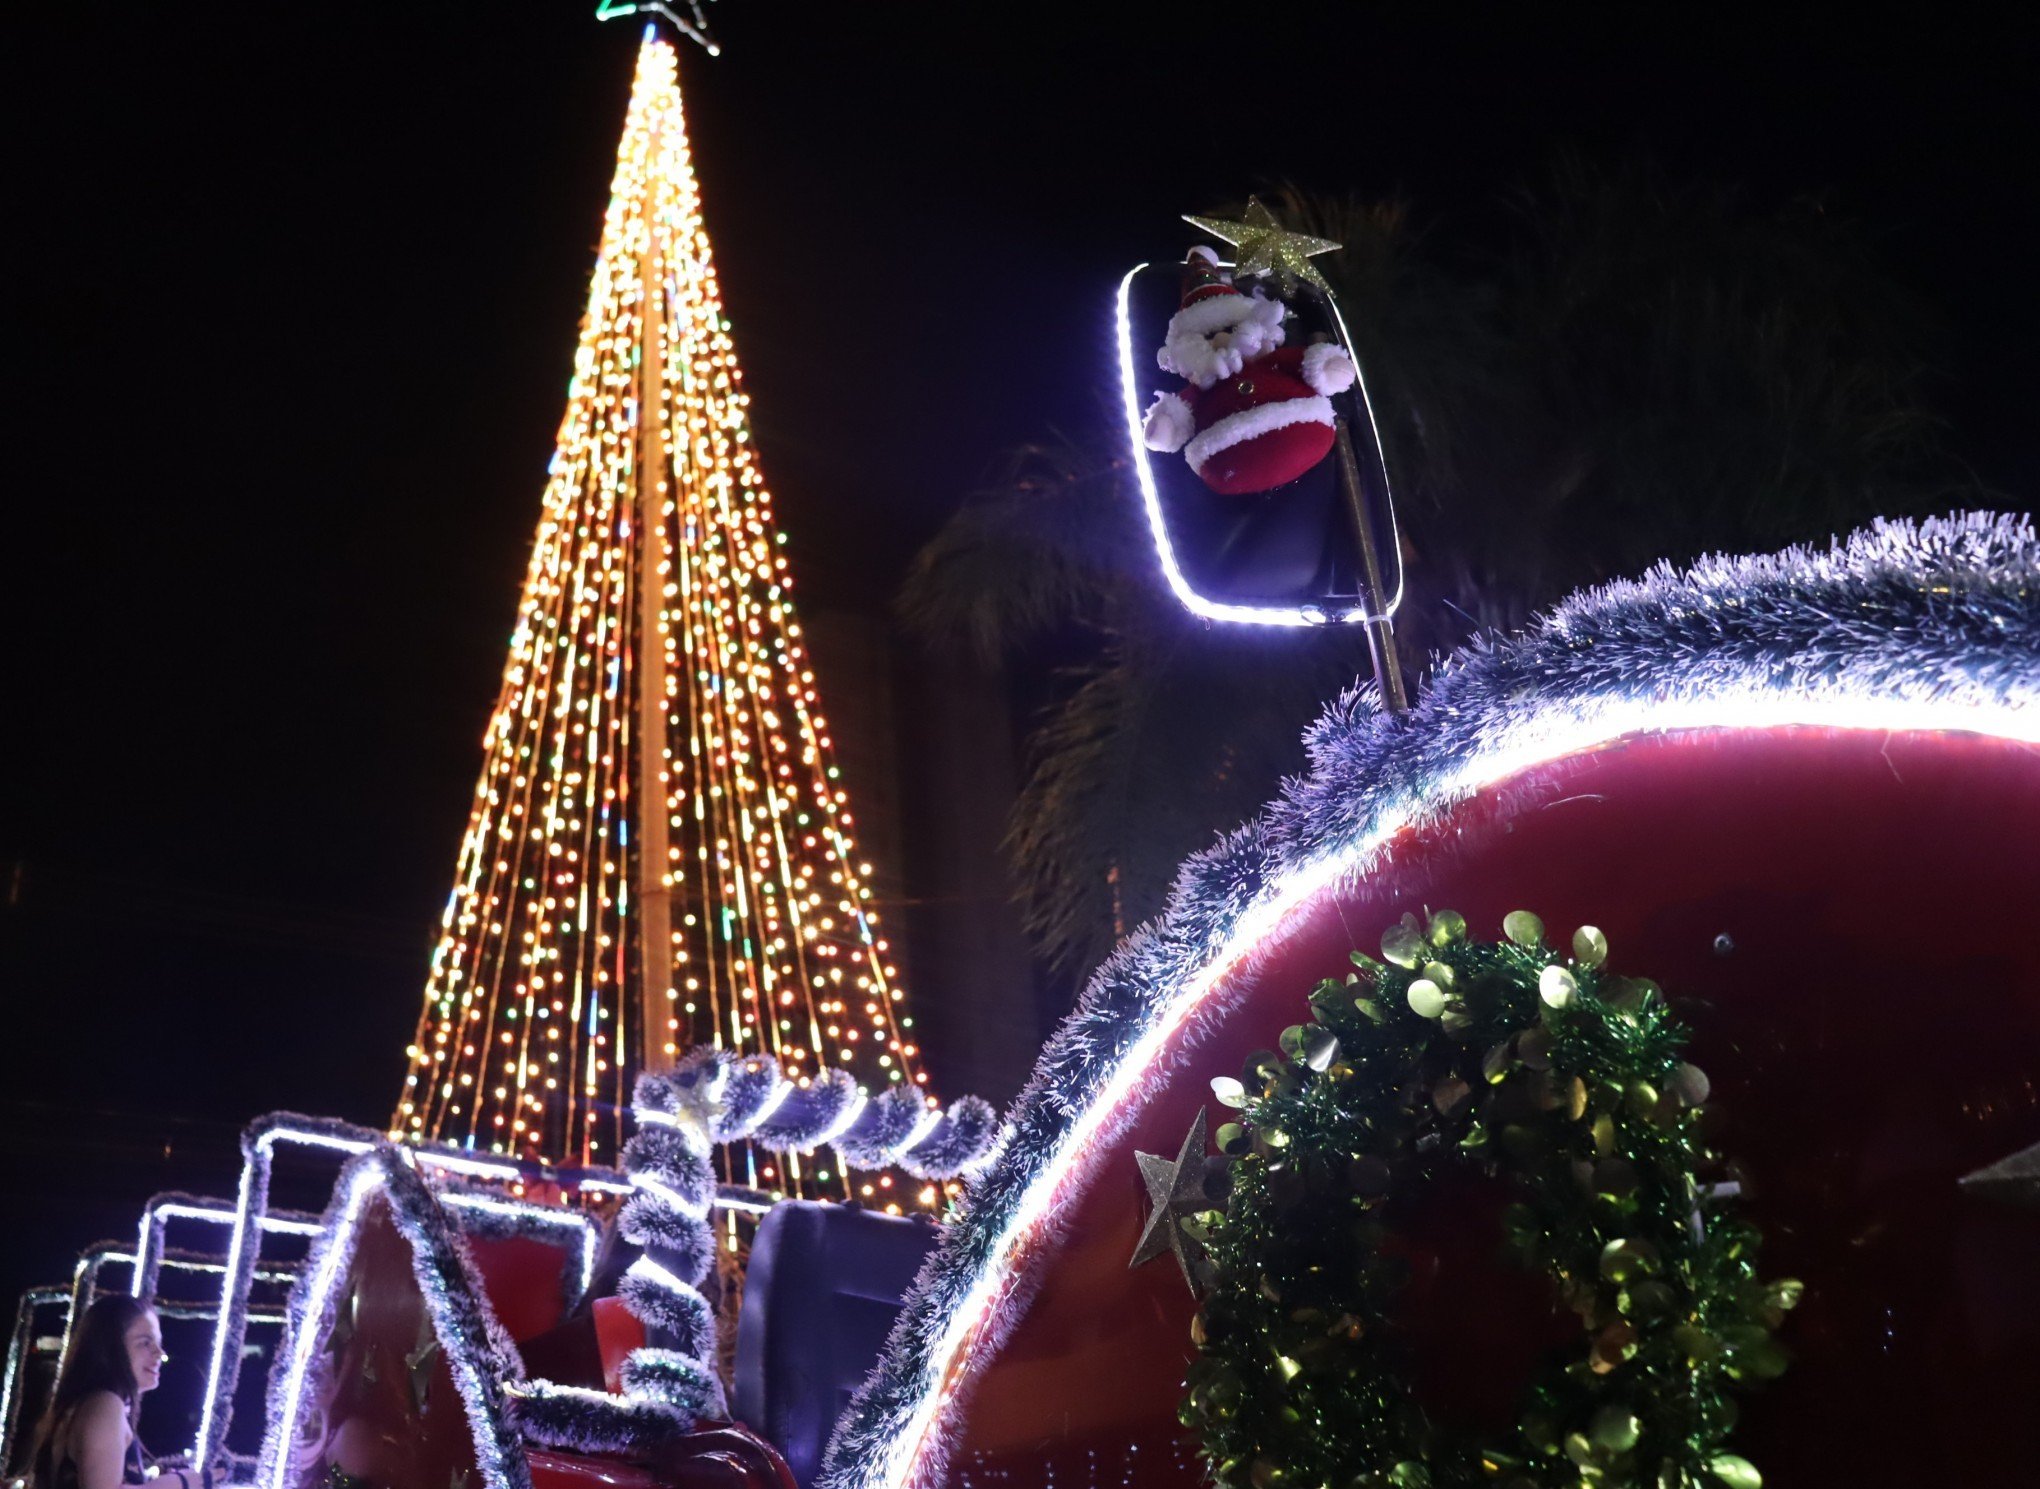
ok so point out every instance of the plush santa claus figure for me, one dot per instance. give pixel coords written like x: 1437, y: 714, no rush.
x: 1253, y: 414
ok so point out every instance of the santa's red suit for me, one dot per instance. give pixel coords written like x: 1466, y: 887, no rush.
x: 1253, y: 414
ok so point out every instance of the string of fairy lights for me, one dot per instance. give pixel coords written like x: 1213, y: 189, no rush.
x: 533, y: 1022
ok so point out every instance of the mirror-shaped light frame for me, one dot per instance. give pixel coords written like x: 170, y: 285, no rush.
x: 1204, y: 605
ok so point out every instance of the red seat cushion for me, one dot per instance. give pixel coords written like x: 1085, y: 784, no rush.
x: 617, y: 1333
x: 587, y: 1349
x: 525, y: 1280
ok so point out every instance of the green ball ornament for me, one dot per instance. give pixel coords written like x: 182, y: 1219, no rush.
x: 1523, y: 928
x: 1426, y: 999
x: 1402, y: 945
x: 1557, y: 987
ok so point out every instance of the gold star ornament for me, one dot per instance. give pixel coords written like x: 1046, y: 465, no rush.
x: 2012, y: 1180
x: 1262, y: 246
x: 1176, y: 1192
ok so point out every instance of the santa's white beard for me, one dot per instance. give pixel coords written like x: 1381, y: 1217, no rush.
x: 1216, y: 338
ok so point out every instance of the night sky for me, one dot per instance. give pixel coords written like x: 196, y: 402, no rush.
x: 292, y: 297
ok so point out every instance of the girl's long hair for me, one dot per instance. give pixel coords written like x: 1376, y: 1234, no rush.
x: 96, y: 1361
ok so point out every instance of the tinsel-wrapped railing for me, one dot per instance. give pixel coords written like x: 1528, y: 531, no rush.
x: 729, y: 1098
x: 713, y: 1097
x: 20, y: 1345
x: 484, y: 1362
x: 170, y: 1205
x: 740, y: 1099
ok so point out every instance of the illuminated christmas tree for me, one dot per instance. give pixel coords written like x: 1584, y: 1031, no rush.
x: 661, y: 853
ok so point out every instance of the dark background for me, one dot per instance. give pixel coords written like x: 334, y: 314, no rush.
x: 291, y: 298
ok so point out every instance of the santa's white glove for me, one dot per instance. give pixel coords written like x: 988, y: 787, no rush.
x: 1327, y: 368
x: 1169, y: 424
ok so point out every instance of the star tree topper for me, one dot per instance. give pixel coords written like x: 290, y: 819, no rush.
x: 695, y: 31
x: 1263, y: 246
x: 1176, y: 1190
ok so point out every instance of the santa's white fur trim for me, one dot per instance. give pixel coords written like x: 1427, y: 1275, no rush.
x: 1215, y: 337
x: 1169, y: 423
x: 1251, y: 423
x: 1327, y: 368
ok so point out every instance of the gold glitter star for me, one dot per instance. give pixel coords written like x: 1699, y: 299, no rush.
x: 1265, y: 247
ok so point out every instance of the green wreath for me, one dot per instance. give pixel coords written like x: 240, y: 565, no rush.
x: 1562, y: 1081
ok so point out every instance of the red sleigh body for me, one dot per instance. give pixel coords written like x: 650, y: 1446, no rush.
x: 1756, y: 875
x: 1803, y: 795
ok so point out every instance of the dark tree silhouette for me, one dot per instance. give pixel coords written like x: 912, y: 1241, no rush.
x: 1613, y: 371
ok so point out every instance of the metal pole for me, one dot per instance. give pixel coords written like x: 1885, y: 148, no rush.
x: 1381, y: 629
x: 655, y: 868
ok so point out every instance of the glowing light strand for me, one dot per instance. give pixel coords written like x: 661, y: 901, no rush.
x: 531, y: 1025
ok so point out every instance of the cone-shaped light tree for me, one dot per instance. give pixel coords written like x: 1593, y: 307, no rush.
x: 661, y: 850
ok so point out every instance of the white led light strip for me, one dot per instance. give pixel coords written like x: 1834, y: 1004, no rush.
x: 923, y: 1129
x: 460, y: 1164
x: 18, y: 1347
x: 587, y: 1233
x: 656, y: 1272
x: 85, y: 1283
x: 1551, y: 735
x: 150, y: 1234
x: 659, y: 1189
x: 230, y: 1289
x: 318, y: 1290
x: 846, y: 1121
x: 692, y: 1126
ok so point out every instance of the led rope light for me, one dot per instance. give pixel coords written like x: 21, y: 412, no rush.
x: 203, y: 1311
x: 456, y: 1164
x: 537, y: 1214
x: 922, y: 1131
x: 339, y: 1252
x: 847, y: 1120
x: 589, y: 1237
x: 254, y: 1179
x: 158, y: 1211
x: 85, y: 1283
x: 599, y: 1400
x: 216, y: 1358
x: 767, y: 1109
x: 660, y: 1189
x: 18, y: 1346
x: 676, y: 1123
x: 214, y: 1269
x: 312, y: 1137
x: 652, y: 1271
